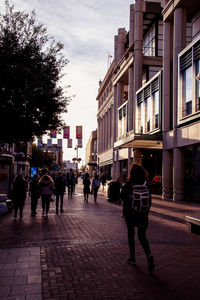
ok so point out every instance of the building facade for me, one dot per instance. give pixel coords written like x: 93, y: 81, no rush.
x: 91, y: 154
x: 105, y: 121
x: 156, y: 106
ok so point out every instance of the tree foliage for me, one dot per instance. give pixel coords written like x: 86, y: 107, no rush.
x: 40, y: 158
x: 31, y: 67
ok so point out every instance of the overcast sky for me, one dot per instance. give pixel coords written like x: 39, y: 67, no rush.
x: 87, y: 29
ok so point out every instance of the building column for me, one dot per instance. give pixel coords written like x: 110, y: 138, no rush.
x: 138, y: 40
x: 116, y: 165
x: 129, y: 159
x: 178, y: 174
x: 179, y: 44
x: 166, y: 77
x: 130, y: 115
x: 167, y: 175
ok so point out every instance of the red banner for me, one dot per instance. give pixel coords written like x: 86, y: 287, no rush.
x: 79, y: 132
x: 66, y: 132
x: 53, y: 134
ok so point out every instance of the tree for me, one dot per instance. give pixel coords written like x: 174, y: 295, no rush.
x: 40, y: 158
x: 31, y: 68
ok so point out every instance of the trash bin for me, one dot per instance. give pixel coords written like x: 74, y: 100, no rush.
x: 113, y: 192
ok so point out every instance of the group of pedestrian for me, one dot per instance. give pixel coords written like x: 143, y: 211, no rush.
x: 44, y: 187
x: 135, y: 195
x: 94, y: 187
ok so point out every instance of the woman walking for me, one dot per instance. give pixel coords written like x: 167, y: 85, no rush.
x: 95, y: 186
x: 20, y: 187
x: 137, y: 218
x: 46, y: 186
x: 86, y: 189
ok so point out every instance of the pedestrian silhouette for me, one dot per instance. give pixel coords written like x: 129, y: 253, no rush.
x: 137, y: 216
x: 19, y: 190
x: 59, y: 183
x: 70, y: 182
x: 35, y: 194
x: 46, y: 186
x: 86, y: 189
x: 95, y: 187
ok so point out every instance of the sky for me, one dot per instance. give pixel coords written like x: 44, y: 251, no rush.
x: 87, y: 29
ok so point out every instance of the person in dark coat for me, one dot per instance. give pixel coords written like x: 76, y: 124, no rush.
x: 19, y: 190
x: 70, y: 182
x: 35, y: 194
x: 86, y: 189
x: 95, y: 186
x: 136, y: 219
x: 59, y: 184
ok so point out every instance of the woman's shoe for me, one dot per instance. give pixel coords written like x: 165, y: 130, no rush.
x: 151, y: 264
x: 131, y: 261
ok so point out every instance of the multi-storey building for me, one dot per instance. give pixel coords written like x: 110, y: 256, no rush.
x: 105, y: 117
x: 181, y: 104
x: 156, y: 108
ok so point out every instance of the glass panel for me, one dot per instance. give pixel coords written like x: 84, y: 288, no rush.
x: 187, y: 91
x: 149, y: 114
x: 198, y: 86
x: 156, y: 109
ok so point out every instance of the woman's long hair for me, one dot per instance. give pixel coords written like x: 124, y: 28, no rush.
x: 137, y: 174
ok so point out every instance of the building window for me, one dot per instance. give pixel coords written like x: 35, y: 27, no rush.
x: 122, y: 121
x: 149, y: 44
x: 187, y: 91
x: 156, y: 109
x: 147, y: 116
x: 197, y: 108
x: 189, y: 85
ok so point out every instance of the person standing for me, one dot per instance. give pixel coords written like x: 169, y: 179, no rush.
x: 34, y: 190
x: 59, y: 184
x: 86, y: 189
x: 103, y: 180
x: 46, y: 187
x: 70, y: 182
x: 136, y: 219
x: 19, y: 190
x: 95, y: 186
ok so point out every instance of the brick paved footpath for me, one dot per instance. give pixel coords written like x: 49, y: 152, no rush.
x: 81, y: 253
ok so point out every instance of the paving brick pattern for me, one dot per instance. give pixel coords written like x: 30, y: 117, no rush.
x: 81, y: 253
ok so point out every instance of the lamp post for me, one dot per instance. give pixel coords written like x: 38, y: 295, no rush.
x: 76, y: 158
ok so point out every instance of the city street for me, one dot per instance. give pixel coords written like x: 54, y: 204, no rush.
x: 81, y: 253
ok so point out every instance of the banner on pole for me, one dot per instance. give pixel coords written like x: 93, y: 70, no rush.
x: 69, y: 143
x: 79, y: 132
x: 79, y: 143
x: 53, y: 134
x: 66, y: 132
x: 59, y: 143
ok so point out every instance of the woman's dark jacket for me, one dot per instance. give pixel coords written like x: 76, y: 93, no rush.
x: 19, y: 192
x: 133, y: 218
x: 34, y: 188
x: 86, y: 183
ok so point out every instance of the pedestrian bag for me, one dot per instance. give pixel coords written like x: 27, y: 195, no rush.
x: 140, y: 198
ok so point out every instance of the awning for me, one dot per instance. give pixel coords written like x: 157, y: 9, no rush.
x: 144, y: 141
